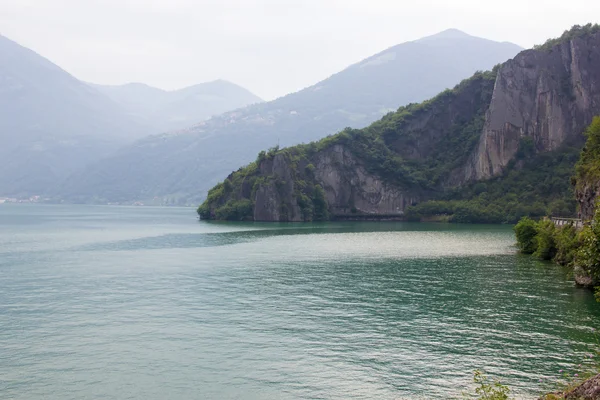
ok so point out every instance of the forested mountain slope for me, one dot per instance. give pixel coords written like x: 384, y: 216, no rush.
x: 524, y: 117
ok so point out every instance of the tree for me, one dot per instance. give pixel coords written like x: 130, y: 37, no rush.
x: 545, y: 240
x: 526, y: 231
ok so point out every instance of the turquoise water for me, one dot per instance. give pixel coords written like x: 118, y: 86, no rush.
x: 148, y: 303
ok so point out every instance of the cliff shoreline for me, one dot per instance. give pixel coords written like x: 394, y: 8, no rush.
x: 496, y: 121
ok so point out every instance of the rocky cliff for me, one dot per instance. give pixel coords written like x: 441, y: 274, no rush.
x: 547, y: 95
x: 336, y: 176
x: 542, y: 99
x: 586, y: 195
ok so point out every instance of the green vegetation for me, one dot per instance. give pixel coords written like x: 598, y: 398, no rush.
x: 532, y: 185
x: 234, y: 198
x: 546, y: 241
x: 566, y: 245
x: 526, y: 232
x: 420, y: 158
x: 588, y: 166
x: 575, y: 32
x: 395, y: 148
x: 587, y: 256
x: 404, y: 155
x: 488, y: 390
x: 225, y: 201
x: 573, y: 384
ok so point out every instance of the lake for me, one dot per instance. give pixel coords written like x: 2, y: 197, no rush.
x: 149, y: 303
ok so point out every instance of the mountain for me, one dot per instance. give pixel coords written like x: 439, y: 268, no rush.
x: 177, y: 109
x: 499, y: 144
x: 179, y: 167
x: 51, y: 124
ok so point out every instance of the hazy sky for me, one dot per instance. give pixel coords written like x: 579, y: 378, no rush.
x: 271, y: 47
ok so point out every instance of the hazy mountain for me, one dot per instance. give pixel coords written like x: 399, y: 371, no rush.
x: 51, y: 124
x: 177, y: 109
x: 180, y: 167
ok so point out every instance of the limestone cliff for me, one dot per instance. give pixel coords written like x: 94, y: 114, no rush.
x: 470, y: 133
x: 347, y: 186
x: 547, y: 95
x: 586, y: 196
x: 360, y: 172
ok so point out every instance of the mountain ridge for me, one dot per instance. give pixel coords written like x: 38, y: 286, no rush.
x: 529, y: 106
x: 179, y: 168
x: 45, y: 139
x: 52, y: 124
x: 169, y: 110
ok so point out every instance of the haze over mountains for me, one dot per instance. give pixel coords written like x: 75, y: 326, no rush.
x: 52, y: 124
x: 178, y: 168
x: 171, y: 110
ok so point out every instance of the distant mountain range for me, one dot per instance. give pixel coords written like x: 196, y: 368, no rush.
x: 171, y: 110
x: 52, y: 125
x: 179, y: 167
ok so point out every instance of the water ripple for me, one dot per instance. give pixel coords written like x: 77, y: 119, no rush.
x: 119, y: 308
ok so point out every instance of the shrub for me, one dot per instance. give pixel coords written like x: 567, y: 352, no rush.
x: 588, y: 254
x: 526, y: 232
x: 487, y: 390
x: 545, y: 240
x: 566, y: 244
x: 204, y: 211
x: 320, y: 213
x: 575, y: 32
x: 588, y: 166
x: 235, y: 210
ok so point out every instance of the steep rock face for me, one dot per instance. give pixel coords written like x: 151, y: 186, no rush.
x: 546, y: 95
x: 586, y: 196
x: 348, y: 187
x: 275, y: 200
x: 532, y: 104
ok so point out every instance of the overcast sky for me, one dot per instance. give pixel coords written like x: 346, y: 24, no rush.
x: 271, y: 47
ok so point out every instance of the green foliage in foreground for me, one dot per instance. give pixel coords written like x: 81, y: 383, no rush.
x: 588, y: 166
x: 488, y: 390
x: 588, y: 252
x: 526, y: 232
x: 222, y: 204
x: 545, y: 240
x: 571, y: 384
x: 565, y: 245
x: 548, y: 242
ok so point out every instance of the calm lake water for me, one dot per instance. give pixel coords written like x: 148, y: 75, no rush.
x: 149, y: 303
